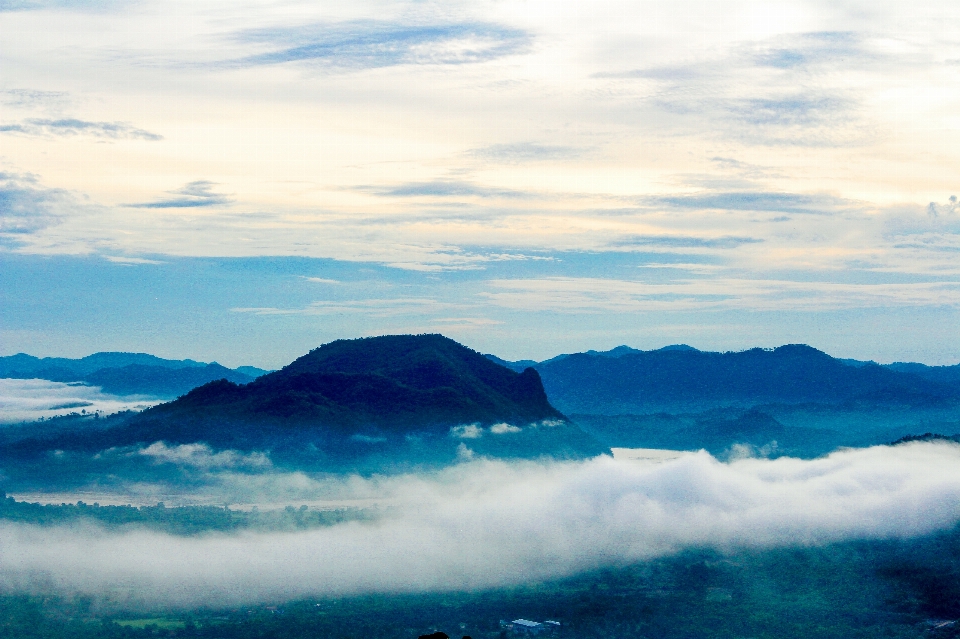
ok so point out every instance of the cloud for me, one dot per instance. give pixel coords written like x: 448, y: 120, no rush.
x: 467, y: 431
x: 192, y: 195
x: 131, y: 261
x: 789, y: 111
x: 487, y: 524
x: 504, y: 428
x: 765, y: 201
x: 950, y: 208
x: 72, y: 126
x: 780, y: 91
x: 27, y: 208
x: 937, y: 225
x: 810, y: 49
x: 680, y: 241
x: 444, y: 188
x: 202, y: 456
x: 596, y: 295
x: 25, y: 400
x: 521, y: 152
x: 376, y: 307
x: 29, y: 98
x: 368, y: 44
x: 33, y: 5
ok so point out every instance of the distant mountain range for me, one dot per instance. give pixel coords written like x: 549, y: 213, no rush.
x: 364, y: 403
x: 126, y: 373
x: 792, y: 400
x: 377, y: 403
x: 683, y: 379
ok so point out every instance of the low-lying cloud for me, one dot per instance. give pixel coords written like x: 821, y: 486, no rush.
x: 202, y: 456
x: 24, y: 400
x: 486, y: 524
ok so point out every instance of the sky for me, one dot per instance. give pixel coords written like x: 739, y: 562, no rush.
x: 243, y: 181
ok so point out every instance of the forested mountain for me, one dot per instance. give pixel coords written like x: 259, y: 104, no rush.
x: 353, y: 398
x: 681, y: 378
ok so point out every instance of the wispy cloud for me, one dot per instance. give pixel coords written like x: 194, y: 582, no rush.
x: 596, y: 295
x: 816, y: 48
x: 521, y: 152
x: 767, y: 201
x: 444, y: 189
x: 192, y: 195
x: 131, y: 261
x: 33, y: 5
x: 680, y: 241
x: 779, y: 91
x: 31, y: 98
x: 26, y: 207
x: 375, y: 307
x: 368, y: 44
x: 73, y: 126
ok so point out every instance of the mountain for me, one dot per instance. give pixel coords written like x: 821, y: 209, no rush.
x: 939, y: 374
x: 252, y: 371
x: 618, y: 351
x: 422, y: 397
x: 685, y: 379
x: 126, y: 373
x: 160, y: 381
x: 23, y: 366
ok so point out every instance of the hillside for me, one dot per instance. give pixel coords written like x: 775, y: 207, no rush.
x: 380, y: 397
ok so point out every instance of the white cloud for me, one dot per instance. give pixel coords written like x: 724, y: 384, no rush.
x: 503, y: 428
x: 485, y: 524
x: 202, y: 456
x: 23, y: 400
x: 467, y: 431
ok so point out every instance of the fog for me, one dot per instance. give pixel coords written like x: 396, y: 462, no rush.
x: 487, y: 523
x: 24, y: 400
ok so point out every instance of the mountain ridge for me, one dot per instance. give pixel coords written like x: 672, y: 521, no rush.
x: 121, y: 373
x: 350, y: 402
x: 679, y: 377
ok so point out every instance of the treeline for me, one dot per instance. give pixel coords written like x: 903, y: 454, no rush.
x: 179, y: 520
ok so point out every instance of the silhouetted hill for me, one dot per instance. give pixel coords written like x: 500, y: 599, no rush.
x: 685, y: 379
x: 373, y: 398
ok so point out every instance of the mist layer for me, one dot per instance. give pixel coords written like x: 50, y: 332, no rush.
x: 485, y: 524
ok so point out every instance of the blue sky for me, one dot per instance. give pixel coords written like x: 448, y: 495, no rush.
x: 243, y: 182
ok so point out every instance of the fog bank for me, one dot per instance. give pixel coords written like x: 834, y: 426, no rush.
x: 485, y: 524
x: 24, y: 400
